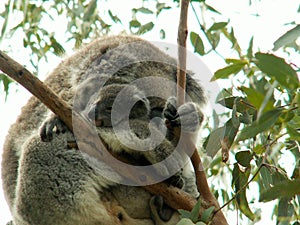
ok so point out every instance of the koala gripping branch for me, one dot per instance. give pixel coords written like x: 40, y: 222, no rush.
x: 176, y: 198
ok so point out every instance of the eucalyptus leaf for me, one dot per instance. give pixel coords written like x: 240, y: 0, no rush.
x: 194, y: 216
x: 294, y: 133
x: 239, y: 180
x: 278, y: 69
x: 134, y: 23
x: 207, y: 214
x: 210, y: 8
x: 286, y: 189
x: 144, y: 10
x: 227, y: 71
x: 185, y: 221
x: 145, y: 28
x: 227, y: 132
x: 287, y: 38
x: 197, y: 43
x: 266, y: 121
x: 217, y: 26
x: 90, y: 10
x: 244, y: 158
x: 250, y: 49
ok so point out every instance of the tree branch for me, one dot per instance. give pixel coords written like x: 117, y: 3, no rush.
x: 201, y: 179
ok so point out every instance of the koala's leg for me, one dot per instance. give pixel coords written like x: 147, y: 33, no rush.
x: 57, y: 186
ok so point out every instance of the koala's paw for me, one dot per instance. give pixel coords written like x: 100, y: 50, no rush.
x: 160, y: 211
x: 166, y: 159
x: 188, y: 116
x: 51, y: 126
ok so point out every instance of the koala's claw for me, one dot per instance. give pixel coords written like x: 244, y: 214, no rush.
x: 51, y: 126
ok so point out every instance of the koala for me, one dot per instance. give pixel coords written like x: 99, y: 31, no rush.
x: 45, y: 182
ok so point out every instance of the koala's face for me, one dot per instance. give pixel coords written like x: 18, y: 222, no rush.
x: 100, y: 111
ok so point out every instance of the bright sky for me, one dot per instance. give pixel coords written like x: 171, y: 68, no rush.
x: 266, y: 29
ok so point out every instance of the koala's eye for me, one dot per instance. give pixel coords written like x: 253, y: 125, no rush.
x: 109, y: 108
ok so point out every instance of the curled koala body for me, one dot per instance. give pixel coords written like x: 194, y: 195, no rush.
x: 47, y: 183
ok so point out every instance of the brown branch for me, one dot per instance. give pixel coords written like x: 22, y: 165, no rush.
x: 181, y: 41
x: 201, y: 179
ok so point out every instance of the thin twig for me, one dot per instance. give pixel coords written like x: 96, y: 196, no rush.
x: 201, y: 179
x: 181, y: 40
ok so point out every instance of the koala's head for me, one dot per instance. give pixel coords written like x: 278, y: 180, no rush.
x: 118, y: 97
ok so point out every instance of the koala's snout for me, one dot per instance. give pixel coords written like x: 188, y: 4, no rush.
x: 99, y: 122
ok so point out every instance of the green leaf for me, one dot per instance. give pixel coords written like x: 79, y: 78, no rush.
x: 200, y: 223
x: 185, y: 221
x: 266, y: 121
x: 162, y: 34
x: 5, y: 81
x: 160, y: 7
x: 278, y: 69
x: 184, y: 213
x: 250, y: 49
x: 212, y: 143
x: 207, y: 214
x: 236, y: 61
x: 194, y: 216
x: 214, y: 39
x: 294, y: 133
x: 285, y: 211
x: 287, y: 38
x: 145, y: 28
x: 256, y: 98
x: 227, y: 71
x: 134, y: 23
x: 5, y: 15
x: 116, y: 19
x: 210, y: 8
x: 286, y: 189
x: 244, y: 158
x: 58, y: 48
x: 241, y: 105
x: 239, y: 179
x: 143, y: 10
x: 90, y: 10
x: 197, y: 43
x: 217, y: 26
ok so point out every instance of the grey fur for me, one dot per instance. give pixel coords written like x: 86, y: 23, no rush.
x: 44, y: 182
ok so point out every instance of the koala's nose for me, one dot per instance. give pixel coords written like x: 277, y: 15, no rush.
x: 99, y: 123
x: 94, y: 117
